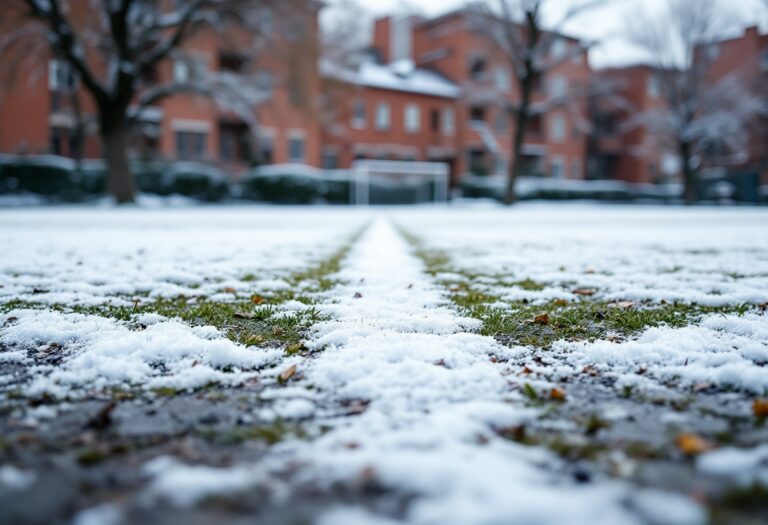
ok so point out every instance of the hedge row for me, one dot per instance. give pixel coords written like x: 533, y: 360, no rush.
x: 60, y: 179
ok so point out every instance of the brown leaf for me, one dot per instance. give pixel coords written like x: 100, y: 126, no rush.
x: 103, y: 418
x: 762, y: 307
x: 229, y: 289
x: 760, y: 408
x: 584, y: 291
x: 527, y: 371
x: 590, y: 370
x: 560, y: 302
x: 557, y: 394
x: 692, y: 445
x: 541, y: 319
x: 358, y: 295
x: 286, y: 374
x: 257, y: 299
x: 626, y: 305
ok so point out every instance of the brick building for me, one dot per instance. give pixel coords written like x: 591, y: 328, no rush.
x: 745, y: 58
x: 623, y: 151
x: 443, y: 85
x: 40, y: 100
x: 618, y: 148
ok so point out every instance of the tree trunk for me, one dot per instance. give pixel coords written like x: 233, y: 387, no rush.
x: 521, y: 121
x: 690, y: 191
x: 114, y: 135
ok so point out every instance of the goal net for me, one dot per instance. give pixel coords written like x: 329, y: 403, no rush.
x: 398, y: 182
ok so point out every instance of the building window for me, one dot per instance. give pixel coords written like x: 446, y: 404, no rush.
x: 233, y: 62
x: 330, y: 159
x: 558, y: 86
x: 557, y: 128
x: 296, y: 149
x: 764, y: 60
x: 412, y: 118
x: 477, y: 68
x: 358, y: 115
x: 233, y: 142
x: 434, y: 120
x: 502, y: 122
x: 576, y: 170
x: 61, y: 77
x: 501, y: 79
x: 559, y: 49
x: 449, y: 121
x: 182, y: 72
x: 652, y: 86
x: 190, y: 145
x: 266, y: 150
x: 382, y: 116
x: 477, y: 114
x: 557, y: 168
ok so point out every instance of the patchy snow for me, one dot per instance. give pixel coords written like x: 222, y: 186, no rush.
x: 99, y: 353
x: 704, y: 256
x: 746, y: 467
x: 431, y: 401
x: 86, y: 257
x: 721, y: 350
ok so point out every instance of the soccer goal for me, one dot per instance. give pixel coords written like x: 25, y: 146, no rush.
x: 398, y: 182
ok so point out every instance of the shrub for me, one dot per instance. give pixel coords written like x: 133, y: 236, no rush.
x: 46, y: 175
x: 196, y: 180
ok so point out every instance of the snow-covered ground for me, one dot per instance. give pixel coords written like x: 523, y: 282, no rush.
x: 407, y: 411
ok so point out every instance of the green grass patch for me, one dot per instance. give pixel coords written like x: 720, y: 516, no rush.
x: 586, y: 319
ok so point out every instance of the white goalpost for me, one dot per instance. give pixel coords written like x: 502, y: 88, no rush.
x: 426, y: 181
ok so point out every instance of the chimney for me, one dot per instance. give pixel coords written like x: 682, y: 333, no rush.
x: 401, y: 39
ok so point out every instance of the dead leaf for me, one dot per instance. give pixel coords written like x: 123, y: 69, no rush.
x: 257, y: 299
x: 358, y: 295
x: 762, y: 307
x: 591, y: 370
x: 560, y: 302
x: 243, y: 315
x: 701, y: 386
x: 103, y: 418
x: 626, y: 305
x: 692, y: 445
x: 584, y: 291
x: 286, y: 374
x: 541, y: 319
x: 527, y: 371
x: 557, y: 394
x: 641, y: 371
x: 229, y: 289
x: 760, y: 408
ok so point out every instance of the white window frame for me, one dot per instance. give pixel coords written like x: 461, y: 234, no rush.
x: 558, y: 86
x: 558, y: 126
x: 359, y: 122
x: 383, y: 116
x: 297, y: 135
x: 502, y: 79
x: 412, y: 117
x: 57, y: 69
x: 449, y: 121
x: 559, y: 48
x: 559, y: 162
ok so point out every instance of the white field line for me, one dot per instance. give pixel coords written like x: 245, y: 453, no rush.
x: 434, y: 397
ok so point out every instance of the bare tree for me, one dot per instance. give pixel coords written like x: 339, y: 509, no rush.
x: 700, y: 114
x: 115, y: 46
x: 517, y: 29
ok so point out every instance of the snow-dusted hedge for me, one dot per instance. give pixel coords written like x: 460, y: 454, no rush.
x: 296, y: 184
x: 535, y: 188
x: 58, y: 178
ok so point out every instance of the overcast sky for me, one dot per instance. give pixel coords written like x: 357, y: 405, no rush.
x: 606, y: 24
